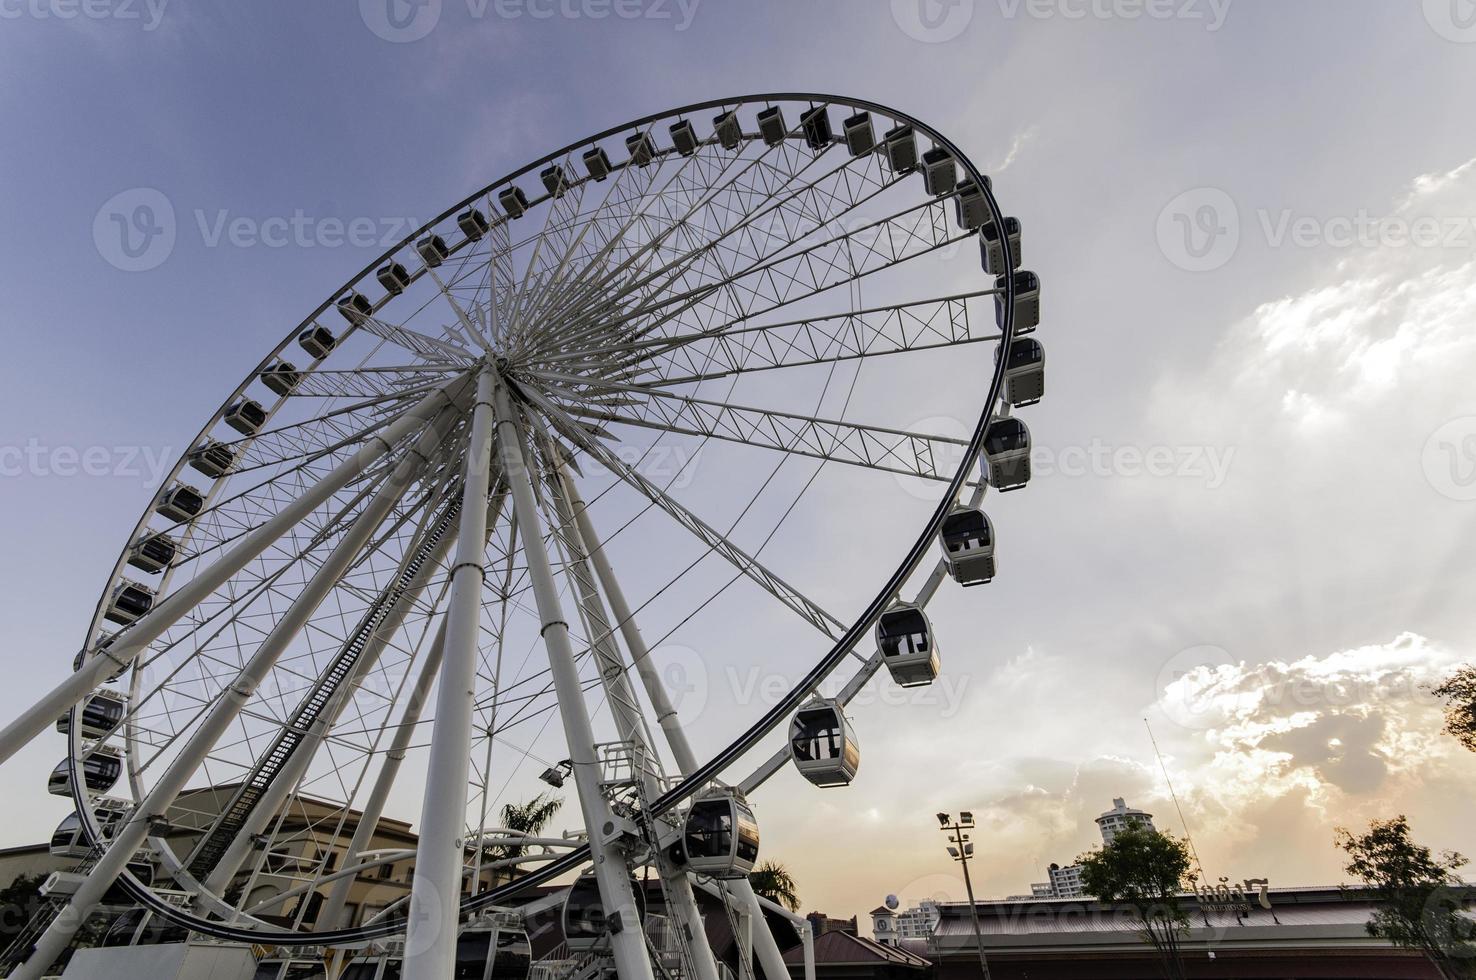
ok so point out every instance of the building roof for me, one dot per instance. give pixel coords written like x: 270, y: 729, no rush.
x: 848, y: 949
x: 880, y: 910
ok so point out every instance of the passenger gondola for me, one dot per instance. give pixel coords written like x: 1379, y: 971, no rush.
x: 490, y: 950
x: 970, y: 207
x: 721, y: 837
x: 213, y: 458
x: 1024, y: 372
x: 318, y: 341
x: 728, y: 130
x: 684, y: 137
x: 180, y: 502
x: 153, y: 552
x: 100, y: 771
x: 641, y: 147
x: 281, y: 377
x: 584, y: 918
x: 555, y: 181
x: 597, y: 162
x: 246, y: 417
x: 992, y: 252
x: 1027, y: 301
x: 432, y: 250
x: 473, y: 224
x: 128, y: 602
x: 513, y: 201
x: 1007, y: 454
x: 940, y: 173
x: 69, y: 840
x: 900, y: 147
x: 394, y: 277
x: 99, y: 714
x: 816, y: 125
x: 355, y: 307
x: 860, y: 135
x: 103, y: 639
x: 771, y: 125
x: 823, y: 745
x: 967, y: 540
x: 905, y: 638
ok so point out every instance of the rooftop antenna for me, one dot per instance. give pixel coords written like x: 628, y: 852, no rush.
x: 1175, y: 797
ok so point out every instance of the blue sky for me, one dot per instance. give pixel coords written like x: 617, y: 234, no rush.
x: 1327, y: 369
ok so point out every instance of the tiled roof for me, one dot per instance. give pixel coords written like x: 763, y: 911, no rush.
x: 845, y: 948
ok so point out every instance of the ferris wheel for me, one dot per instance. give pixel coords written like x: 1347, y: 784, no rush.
x: 430, y: 548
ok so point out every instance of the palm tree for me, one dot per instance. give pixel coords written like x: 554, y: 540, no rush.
x: 530, y: 818
x: 773, y: 881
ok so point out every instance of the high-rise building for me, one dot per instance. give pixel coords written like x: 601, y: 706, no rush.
x: 1118, y: 818
x: 1066, y: 881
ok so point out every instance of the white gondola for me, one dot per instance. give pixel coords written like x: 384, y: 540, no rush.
x: 213, y: 458
x: 153, y: 552
x: 492, y: 950
x: 128, y: 602
x: 905, y: 638
x: 1024, y: 372
x: 969, y: 206
x: 394, y: 277
x: 281, y: 377
x: 103, y: 639
x: 641, y: 147
x: 583, y: 915
x: 816, y: 125
x: 555, y: 181
x: 900, y: 147
x: 823, y: 745
x: 771, y: 125
x: 967, y: 540
x: 180, y: 502
x: 100, y: 771
x: 432, y: 250
x: 860, y: 135
x: 473, y: 224
x: 98, y: 715
x: 1007, y: 454
x: 318, y: 341
x: 940, y: 173
x: 728, y: 130
x: 355, y: 308
x: 597, y: 162
x: 246, y: 417
x: 721, y: 837
x: 1027, y: 301
x: 68, y: 840
x: 992, y: 252
x: 684, y: 137
x: 513, y: 201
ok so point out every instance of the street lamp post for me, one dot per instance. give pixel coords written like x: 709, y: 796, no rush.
x: 961, y: 849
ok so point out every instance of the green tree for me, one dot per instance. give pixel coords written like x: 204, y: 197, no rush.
x: 1459, y: 694
x: 1419, y: 896
x: 773, y: 881
x: 530, y: 818
x: 1147, y: 871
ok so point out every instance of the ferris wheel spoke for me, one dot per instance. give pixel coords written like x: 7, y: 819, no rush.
x: 808, y: 610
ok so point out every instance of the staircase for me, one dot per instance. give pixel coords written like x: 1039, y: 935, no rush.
x: 311, y: 711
